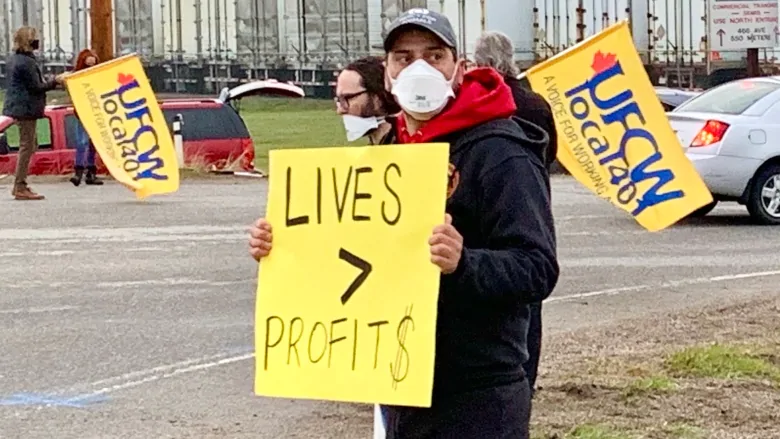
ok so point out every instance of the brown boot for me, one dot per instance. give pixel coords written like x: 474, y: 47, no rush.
x: 23, y: 192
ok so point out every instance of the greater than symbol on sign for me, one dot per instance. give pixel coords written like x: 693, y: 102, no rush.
x: 365, y: 269
x: 720, y: 33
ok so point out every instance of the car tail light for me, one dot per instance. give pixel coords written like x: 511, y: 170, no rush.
x: 248, y: 155
x: 712, y: 132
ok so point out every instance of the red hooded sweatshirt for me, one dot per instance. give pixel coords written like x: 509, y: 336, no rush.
x: 483, y: 96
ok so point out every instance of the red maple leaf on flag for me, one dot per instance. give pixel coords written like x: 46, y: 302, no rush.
x: 125, y: 79
x: 603, y: 61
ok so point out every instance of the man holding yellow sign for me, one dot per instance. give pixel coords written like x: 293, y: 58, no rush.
x: 495, y: 249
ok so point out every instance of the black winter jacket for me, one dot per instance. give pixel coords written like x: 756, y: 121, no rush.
x: 25, y: 91
x: 501, y: 206
x: 532, y: 107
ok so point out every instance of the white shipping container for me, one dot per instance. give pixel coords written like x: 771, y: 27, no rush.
x: 324, y: 34
x: 665, y: 31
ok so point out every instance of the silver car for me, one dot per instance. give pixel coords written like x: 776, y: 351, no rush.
x: 731, y: 133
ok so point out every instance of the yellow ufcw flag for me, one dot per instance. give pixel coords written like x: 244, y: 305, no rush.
x: 118, y: 109
x: 613, y: 134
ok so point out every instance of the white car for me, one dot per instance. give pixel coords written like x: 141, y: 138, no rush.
x: 731, y: 133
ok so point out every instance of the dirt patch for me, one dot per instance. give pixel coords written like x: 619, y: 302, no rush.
x: 706, y: 374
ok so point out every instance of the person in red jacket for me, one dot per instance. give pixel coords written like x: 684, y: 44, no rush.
x: 85, y: 150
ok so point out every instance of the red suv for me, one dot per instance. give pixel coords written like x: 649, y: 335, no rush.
x: 213, y: 132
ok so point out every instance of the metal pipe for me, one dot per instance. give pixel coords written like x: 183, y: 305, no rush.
x: 54, y: 18
x: 6, y: 27
x: 323, y: 16
x: 690, y: 30
x: 74, y: 18
x: 226, y: 47
x: 209, y: 27
x: 217, y: 28
x: 678, y: 42
x: 462, y: 25
x: 651, y: 37
x: 130, y: 22
x: 171, y: 22
x: 303, y: 51
x: 707, y: 54
x: 580, y: 20
x: 547, y: 30
x: 535, y: 41
x: 343, y: 26
x: 483, y: 10
x: 666, y: 34
x: 568, y: 23
x: 617, y: 11
x: 199, y: 28
x: 179, y: 36
x: 162, y: 26
x: 255, y: 20
x: 556, y: 26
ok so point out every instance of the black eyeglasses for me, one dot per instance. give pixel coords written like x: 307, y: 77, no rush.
x: 343, y: 100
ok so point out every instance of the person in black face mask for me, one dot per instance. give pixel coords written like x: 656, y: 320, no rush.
x: 25, y: 101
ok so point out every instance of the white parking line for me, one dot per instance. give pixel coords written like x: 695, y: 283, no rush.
x: 175, y: 372
x: 38, y: 310
x: 583, y: 217
x: 671, y: 284
x: 133, y: 283
x: 606, y: 233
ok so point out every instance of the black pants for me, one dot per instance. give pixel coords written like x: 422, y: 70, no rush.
x: 496, y: 413
x: 534, y: 342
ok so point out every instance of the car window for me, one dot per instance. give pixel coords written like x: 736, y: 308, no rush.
x: 10, y: 136
x: 208, y: 123
x: 731, y: 98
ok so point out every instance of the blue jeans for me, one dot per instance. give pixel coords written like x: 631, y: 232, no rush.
x: 85, y: 151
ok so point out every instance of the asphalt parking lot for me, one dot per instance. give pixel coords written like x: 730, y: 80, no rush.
x: 121, y: 318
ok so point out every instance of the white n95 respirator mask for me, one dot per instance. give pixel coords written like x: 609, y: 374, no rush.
x: 421, y: 90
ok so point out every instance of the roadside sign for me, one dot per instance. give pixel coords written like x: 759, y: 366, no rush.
x: 743, y: 24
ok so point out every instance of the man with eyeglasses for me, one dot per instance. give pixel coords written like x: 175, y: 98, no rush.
x: 366, y: 107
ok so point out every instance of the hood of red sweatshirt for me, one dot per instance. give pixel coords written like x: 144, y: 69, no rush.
x: 483, y: 96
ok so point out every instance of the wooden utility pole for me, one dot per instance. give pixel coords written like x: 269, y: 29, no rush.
x: 102, y: 29
x: 753, y: 66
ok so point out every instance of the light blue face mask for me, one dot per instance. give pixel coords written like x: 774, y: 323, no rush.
x: 358, y: 127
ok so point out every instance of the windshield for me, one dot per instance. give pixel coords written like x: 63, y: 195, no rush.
x: 732, y: 98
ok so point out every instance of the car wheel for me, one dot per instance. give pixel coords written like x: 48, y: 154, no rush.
x: 703, y: 211
x: 764, y: 201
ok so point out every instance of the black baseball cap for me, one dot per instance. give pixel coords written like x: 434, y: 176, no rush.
x: 422, y: 18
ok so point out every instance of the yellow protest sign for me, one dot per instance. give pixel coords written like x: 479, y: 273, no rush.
x: 117, y: 106
x: 613, y: 134
x: 347, y: 299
